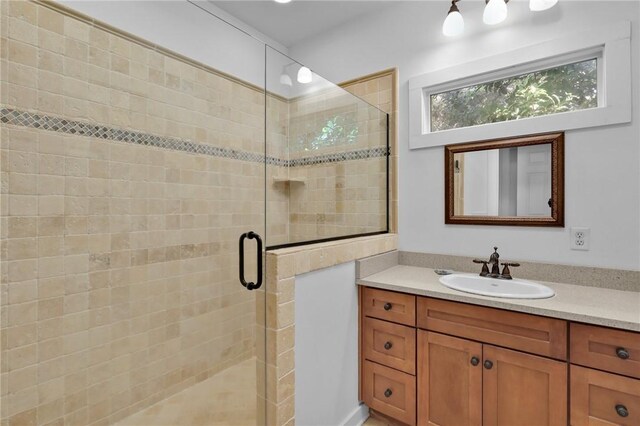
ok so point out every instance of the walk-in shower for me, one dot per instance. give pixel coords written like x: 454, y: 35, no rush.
x: 137, y: 177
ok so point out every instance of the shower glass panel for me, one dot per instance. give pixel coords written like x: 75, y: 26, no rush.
x: 327, y: 158
x: 129, y: 174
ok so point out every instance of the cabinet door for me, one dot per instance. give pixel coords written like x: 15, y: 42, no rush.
x: 521, y: 389
x: 599, y: 398
x: 449, y: 384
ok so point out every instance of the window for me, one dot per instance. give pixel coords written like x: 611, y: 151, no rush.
x: 573, y: 82
x: 563, y: 88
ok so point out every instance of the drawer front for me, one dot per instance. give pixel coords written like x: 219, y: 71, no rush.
x: 390, y: 392
x: 390, y: 306
x: 606, y: 349
x: 390, y: 344
x: 528, y: 333
x: 599, y: 398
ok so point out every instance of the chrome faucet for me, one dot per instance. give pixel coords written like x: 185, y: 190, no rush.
x: 494, y: 261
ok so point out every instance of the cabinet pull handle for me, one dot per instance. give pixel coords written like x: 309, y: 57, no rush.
x: 488, y: 365
x: 388, y: 345
x: 387, y: 306
x: 622, y: 353
x: 622, y: 410
x: 388, y: 393
x: 475, y: 361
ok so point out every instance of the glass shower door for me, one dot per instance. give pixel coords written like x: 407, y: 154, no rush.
x: 129, y: 174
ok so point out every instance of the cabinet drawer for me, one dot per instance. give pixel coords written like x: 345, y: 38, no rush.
x: 599, y: 398
x: 390, y: 344
x: 607, y: 349
x: 390, y: 392
x: 528, y: 333
x: 390, y: 306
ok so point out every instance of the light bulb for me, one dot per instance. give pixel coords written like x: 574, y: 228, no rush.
x: 539, y: 5
x: 453, y: 24
x: 494, y: 12
x: 304, y: 75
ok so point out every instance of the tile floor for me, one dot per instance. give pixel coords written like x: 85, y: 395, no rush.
x: 228, y: 398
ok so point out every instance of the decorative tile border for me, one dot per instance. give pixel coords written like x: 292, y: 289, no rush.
x: 75, y: 127
x: 360, y: 154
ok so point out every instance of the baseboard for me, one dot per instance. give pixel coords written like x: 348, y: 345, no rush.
x: 357, y: 417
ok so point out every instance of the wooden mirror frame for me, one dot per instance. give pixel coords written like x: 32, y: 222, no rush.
x: 557, y: 181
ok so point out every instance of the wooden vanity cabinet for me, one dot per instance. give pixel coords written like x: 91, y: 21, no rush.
x: 449, y: 380
x: 520, y: 388
x: 605, y: 376
x: 600, y: 398
x: 461, y: 382
x: 476, y: 365
x: 388, y: 353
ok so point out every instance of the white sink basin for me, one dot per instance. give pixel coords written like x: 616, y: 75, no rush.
x: 485, y: 286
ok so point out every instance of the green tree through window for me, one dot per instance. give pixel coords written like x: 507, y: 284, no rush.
x: 340, y: 129
x: 561, y: 89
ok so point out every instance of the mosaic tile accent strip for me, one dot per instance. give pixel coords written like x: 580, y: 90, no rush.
x: 361, y: 154
x: 74, y: 127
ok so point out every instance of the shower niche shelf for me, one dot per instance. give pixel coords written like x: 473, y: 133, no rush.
x: 291, y: 180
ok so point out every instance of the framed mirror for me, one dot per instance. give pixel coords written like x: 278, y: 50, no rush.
x: 515, y: 182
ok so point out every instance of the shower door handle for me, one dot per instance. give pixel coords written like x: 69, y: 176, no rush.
x: 249, y: 285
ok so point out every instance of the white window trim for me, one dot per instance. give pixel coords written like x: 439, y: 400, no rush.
x: 611, y: 45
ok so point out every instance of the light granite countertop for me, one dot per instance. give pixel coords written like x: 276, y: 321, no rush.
x: 593, y: 305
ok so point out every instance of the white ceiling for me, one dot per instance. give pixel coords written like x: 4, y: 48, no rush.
x: 292, y: 22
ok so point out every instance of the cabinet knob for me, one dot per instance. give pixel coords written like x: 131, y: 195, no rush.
x: 488, y: 365
x: 475, y: 361
x: 622, y: 410
x: 622, y: 353
x: 388, y: 393
x: 387, y: 306
x: 388, y: 345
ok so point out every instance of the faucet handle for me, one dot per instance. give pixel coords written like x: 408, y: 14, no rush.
x: 485, y: 268
x: 506, y: 273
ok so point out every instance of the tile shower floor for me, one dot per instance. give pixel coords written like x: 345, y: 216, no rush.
x: 220, y: 400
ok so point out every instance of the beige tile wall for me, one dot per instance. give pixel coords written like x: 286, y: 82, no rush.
x: 119, y: 262
x: 341, y: 198
x: 338, y: 199
x: 381, y: 90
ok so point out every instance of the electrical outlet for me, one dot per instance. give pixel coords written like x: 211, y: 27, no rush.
x: 580, y: 238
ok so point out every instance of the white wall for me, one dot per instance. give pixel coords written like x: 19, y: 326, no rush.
x: 602, y: 164
x: 326, y: 355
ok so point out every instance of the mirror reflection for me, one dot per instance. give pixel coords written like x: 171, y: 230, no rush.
x: 510, y: 181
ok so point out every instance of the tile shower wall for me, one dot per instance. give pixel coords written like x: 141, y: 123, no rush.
x: 344, y: 171
x: 379, y: 90
x: 127, y: 176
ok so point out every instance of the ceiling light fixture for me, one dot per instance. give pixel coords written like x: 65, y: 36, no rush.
x: 453, y: 24
x: 495, y: 12
x: 282, y: 1
x: 304, y: 75
x: 540, y: 5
